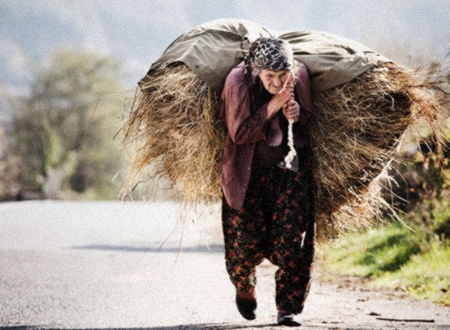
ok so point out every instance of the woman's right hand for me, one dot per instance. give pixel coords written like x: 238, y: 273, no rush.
x: 279, y: 100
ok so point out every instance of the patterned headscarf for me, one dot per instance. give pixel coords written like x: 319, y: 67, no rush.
x: 271, y: 54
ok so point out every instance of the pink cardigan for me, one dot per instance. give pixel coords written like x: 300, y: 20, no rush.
x: 247, y: 126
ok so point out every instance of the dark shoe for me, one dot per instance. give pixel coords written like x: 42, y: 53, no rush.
x: 246, y: 306
x: 290, y: 320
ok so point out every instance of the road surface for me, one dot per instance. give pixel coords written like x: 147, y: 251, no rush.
x: 92, y: 265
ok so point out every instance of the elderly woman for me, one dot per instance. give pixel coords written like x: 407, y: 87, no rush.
x: 268, y: 208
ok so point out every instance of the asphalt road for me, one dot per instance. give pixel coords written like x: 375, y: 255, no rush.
x: 98, y: 265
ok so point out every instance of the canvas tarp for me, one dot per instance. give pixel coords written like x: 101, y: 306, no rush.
x: 212, y: 49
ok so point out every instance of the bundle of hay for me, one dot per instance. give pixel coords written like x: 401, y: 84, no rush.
x: 175, y: 126
x: 356, y: 128
x: 355, y: 131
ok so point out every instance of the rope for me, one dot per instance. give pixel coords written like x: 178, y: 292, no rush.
x: 292, y: 153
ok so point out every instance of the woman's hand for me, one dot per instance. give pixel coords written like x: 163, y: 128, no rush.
x: 291, y: 110
x: 278, y: 101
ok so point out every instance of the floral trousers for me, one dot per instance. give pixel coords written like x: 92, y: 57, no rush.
x: 276, y: 223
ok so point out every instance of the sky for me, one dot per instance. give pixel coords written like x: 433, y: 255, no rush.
x: 136, y: 32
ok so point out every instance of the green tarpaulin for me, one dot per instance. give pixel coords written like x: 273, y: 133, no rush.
x: 212, y: 49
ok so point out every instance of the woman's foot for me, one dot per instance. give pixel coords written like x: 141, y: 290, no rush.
x: 246, y: 304
x: 288, y: 319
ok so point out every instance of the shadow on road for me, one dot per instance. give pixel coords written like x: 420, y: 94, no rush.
x: 218, y: 326
x: 214, y: 248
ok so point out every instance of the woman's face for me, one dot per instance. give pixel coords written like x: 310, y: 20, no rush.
x: 274, y: 81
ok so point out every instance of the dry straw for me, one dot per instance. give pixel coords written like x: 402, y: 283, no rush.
x: 175, y: 126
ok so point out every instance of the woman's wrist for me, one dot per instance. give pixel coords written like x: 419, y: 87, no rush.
x: 272, y: 109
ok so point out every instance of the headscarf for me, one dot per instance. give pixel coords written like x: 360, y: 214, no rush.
x: 271, y: 54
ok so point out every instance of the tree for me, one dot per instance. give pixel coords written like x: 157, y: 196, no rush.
x: 8, y: 169
x: 63, y: 130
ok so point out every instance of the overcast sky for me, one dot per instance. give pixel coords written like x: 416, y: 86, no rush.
x: 137, y: 31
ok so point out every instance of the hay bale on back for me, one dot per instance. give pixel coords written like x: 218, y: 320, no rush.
x: 355, y: 131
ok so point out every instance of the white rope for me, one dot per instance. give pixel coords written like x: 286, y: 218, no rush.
x: 292, y: 153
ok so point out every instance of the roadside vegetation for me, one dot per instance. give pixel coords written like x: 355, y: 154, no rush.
x: 60, y: 143
x: 414, y: 259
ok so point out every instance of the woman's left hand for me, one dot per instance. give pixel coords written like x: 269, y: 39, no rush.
x: 291, y: 110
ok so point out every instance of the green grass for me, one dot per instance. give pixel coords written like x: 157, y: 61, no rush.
x: 394, y: 256
x: 425, y: 276
x: 372, y: 253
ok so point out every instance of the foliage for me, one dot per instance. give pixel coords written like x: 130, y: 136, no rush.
x: 413, y: 259
x: 63, y: 130
x: 8, y: 168
x: 425, y: 276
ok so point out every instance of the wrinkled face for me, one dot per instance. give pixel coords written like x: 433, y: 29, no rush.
x: 274, y: 81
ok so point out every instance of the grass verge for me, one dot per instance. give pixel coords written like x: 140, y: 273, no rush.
x: 415, y: 259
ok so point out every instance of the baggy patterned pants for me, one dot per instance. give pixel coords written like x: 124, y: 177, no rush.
x: 276, y: 222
